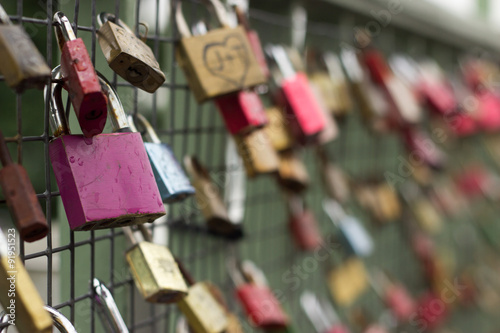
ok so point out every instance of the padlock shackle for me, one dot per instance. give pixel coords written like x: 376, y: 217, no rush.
x: 312, y: 308
x: 58, y: 121
x: 234, y: 270
x: 63, y: 29
x: 4, y: 17
x: 242, y: 18
x: 254, y: 273
x: 182, y: 26
x: 278, y: 53
x: 153, y: 137
x: 108, y: 310
x: 334, y: 211
x: 60, y: 321
x: 104, y: 17
x: 4, y: 319
x: 195, y: 168
x: 146, y: 233
x: 5, y: 157
x: 129, y: 234
x: 116, y: 112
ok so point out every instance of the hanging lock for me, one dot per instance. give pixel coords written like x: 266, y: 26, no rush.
x: 262, y: 308
x: 107, y: 308
x: 292, y: 173
x: 334, y: 179
x: 22, y: 64
x: 219, y: 62
x: 420, y: 146
x: 85, y: 92
x: 321, y: 314
x: 210, y: 202
x: 277, y: 130
x: 19, y: 293
x: 303, y: 112
x: 347, y: 281
x: 257, y: 153
x: 203, y: 312
x: 127, y: 55
x: 21, y: 197
x: 344, y: 103
x: 172, y: 182
x: 107, y: 180
x: 303, y: 225
x: 154, y: 269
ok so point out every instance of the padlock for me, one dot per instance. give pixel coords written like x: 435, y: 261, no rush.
x: 107, y: 308
x: 354, y: 235
x: 254, y: 40
x: 21, y: 197
x: 394, y: 295
x: 292, y: 173
x: 422, y: 209
x: 303, y: 225
x: 347, y: 281
x: 428, y: 314
x: 219, y: 62
x: 330, y: 131
x: 333, y: 178
x: 210, y: 202
x: 257, y: 153
x: 437, y: 92
x: 19, y: 296
x: 304, y: 114
x: 60, y: 321
x: 106, y: 180
x: 154, y: 269
x: 487, y: 115
x: 202, y: 311
x: 127, y: 55
x: 172, y: 182
x: 22, y: 64
x: 321, y: 314
x: 341, y: 86
x: 423, y: 149
x: 242, y: 111
x: 261, y: 307
x: 277, y: 130
x: 80, y: 78
x: 389, y: 205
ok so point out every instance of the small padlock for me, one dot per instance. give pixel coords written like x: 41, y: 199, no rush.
x: 388, y: 203
x: 21, y: 197
x: 334, y: 179
x: 420, y: 146
x: 304, y: 115
x: 127, y: 55
x: 430, y: 315
x: 219, y: 62
x: 347, y: 281
x: 210, y: 202
x: 22, y: 64
x: 292, y: 173
x: 487, y: 115
x: 242, y: 111
x: 154, y: 269
x: 105, y: 180
x: 340, y: 83
x: 80, y: 77
x: 257, y: 153
x: 262, y: 308
x: 422, y: 209
x: 172, y: 182
x: 321, y: 314
x: 330, y: 131
x: 277, y: 130
x: 437, y: 92
x: 203, y: 312
x: 107, y: 308
x: 19, y: 296
x: 303, y: 225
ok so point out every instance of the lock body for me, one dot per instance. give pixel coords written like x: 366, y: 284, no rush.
x: 130, y: 57
x: 277, y: 130
x: 439, y: 97
x: 172, y: 182
x: 400, y: 302
x: 488, y: 114
x: 261, y: 306
x: 303, y: 112
x: 242, y: 111
x: 22, y: 64
x: 347, y: 281
x: 89, y: 102
x: 156, y: 273
x: 305, y: 231
x: 292, y: 173
x: 335, y: 182
x: 203, y: 313
x: 257, y: 153
x: 105, y: 181
x: 218, y: 63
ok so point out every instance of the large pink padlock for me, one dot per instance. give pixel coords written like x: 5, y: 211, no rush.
x: 105, y: 181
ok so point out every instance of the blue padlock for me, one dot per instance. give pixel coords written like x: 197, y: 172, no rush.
x: 172, y: 182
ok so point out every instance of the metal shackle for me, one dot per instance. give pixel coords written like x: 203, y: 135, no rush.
x: 104, y: 17
x: 60, y: 321
x: 153, y: 137
x: 63, y: 29
x: 108, y: 311
x: 220, y: 14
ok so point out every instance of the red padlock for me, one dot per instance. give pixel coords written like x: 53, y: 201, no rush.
x: 254, y: 40
x: 432, y: 311
x: 89, y: 102
x: 303, y: 111
x: 303, y: 225
x: 242, y: 111
x: 421, y: 147
x: 261, y: 306
x: 474, y: 181
x: 488, y: 111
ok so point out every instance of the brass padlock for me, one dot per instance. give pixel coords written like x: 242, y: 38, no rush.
x: 388, y: 203
x: 334, y: 179
x: 154, y: 269
x: 19, y: 296
x: 292, y: 173
x: 127, y: 55
x: 277, y: 130
x: 21, y: 63
x: 202, y: 311
x: 219, y: 62
x: 348, y: 281
x: 257, y: 153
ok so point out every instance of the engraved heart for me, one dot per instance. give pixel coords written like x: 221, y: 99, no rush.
x: 228, y: 59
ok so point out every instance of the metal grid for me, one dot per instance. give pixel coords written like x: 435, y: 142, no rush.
x: 193, y: 129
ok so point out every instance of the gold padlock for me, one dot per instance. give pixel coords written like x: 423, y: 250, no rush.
x: 292, y: 173
x: 154, y: 269
x: 388, y: 203
x: 22, y: 64
x: 19, y: 296
x: 127, y: 55
x: 219, y: 62
x: 348, y: 281
x: 340, y: 84
x: 257, y: 153
x: 277, y: 130
x: 427, y: 215
x: 203, y: 312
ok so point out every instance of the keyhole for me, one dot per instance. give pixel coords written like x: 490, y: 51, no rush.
x: 94, y: 114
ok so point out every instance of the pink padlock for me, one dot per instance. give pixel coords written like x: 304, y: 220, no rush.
x: 422, y: 147
x: 488, y: 111
x: 107, y: 180
x: 400, y: 302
